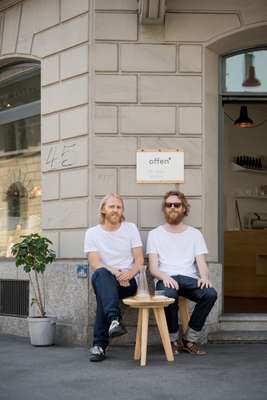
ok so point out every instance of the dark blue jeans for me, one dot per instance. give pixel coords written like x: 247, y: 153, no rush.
x: 205, y: 299
x: 108, y: 294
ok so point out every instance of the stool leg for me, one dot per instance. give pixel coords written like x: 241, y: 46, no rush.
x: 184, y: 313
x: 164, y: 334
x: 137, y: 350
x: 144, y: 332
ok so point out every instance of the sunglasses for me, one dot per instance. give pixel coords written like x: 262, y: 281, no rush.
x: 175, y: 205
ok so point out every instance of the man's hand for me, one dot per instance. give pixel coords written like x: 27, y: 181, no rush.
x: 169, y: 282
x: 124, y: 275
x: 203, y: 283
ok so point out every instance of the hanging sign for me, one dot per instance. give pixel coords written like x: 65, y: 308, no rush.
x: 160, y: 166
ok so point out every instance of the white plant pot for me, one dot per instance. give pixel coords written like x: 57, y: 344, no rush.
x: 42, y: 331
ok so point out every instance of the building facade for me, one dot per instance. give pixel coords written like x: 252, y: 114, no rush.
x: 113, y: 82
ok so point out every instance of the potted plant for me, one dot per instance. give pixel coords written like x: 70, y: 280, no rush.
x: 33, y: 254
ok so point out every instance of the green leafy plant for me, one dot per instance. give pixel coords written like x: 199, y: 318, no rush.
x: 33, y: 255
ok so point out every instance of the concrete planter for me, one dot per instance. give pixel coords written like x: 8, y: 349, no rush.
x: 42, y: 331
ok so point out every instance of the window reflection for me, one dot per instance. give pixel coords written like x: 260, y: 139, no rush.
x: 20, y: 189
x: 246, y: 72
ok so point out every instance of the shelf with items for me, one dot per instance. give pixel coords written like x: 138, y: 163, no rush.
x: 238, y: 168
x: 255, y: 197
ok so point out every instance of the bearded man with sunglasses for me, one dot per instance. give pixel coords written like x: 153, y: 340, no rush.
x: 177, y: 261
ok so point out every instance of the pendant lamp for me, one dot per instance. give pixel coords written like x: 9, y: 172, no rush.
x: 243, y: 121
x: 250, y: 74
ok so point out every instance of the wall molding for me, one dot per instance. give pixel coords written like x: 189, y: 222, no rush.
x: 151, y: 11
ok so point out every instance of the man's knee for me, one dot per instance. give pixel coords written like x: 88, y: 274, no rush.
x: 211, y: 295
x: 170, y: 292
x: 100, y: 273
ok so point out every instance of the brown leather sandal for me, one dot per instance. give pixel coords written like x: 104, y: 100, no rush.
x: 176, y: 347
x: 192, y: 348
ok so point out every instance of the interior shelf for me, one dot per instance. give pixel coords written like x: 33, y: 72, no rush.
x: 257, y: 197
x: 238, y: 168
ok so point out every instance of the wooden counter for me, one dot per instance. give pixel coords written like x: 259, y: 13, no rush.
x: 245, y: 263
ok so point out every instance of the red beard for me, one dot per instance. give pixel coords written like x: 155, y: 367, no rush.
x: 174, y: 218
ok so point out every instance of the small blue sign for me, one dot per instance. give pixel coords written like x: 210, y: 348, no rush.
x: 82, y: 271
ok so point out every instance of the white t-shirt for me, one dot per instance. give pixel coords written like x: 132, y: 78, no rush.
x: 177, y: 251
x: 114, y: 247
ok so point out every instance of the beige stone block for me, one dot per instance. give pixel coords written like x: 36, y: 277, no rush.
x: 192, y: 185
x: 199, y: 27
x: 72, y: 320
x: 146, y: 57
x: 10, y: 32
x: 152, y: 33
x: 66, y: 94
x: 190, y: 58
x: 65, y: 214
x: 74, y: 183
x: 49, y: 70
x: 110, y: 26
x: 190, y: 120
x: 147, y: 119
x: 53, y: 236
x: 114, y: 151
x: 115, y: 5
x: 74, y: 61
x: 130, y: 207
x: 61, y: 37
x: 116, y: 88
x: 170, y: 89
x: 14, y: 326
x: 105, y: 119
x: 106, y: 57
x: 70, y: 8
x: 152, y: 216
x: 8, y: 270
x: 71, y: 244
x: 192, y: 147
x: 50, y: 128
x: 104, y: 181
x: 74, y: 122
x: 50, y: 186
x: 67, y: 154
x: 36, y: 16
x: 94, y: 212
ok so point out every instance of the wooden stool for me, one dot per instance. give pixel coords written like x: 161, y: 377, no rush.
x: 184, y: 313
x: 144, y: 305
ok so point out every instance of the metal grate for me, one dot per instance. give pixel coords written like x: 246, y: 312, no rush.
x: 14, y: 297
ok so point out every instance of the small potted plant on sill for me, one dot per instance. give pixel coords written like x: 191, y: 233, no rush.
x: 33, y: 255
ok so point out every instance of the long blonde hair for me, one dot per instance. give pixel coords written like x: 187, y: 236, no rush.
x: 101, y: 215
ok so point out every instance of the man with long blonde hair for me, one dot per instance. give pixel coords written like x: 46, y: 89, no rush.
x: 114, y: 250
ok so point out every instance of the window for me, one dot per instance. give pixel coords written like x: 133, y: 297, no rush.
x: 245, y: 72
x: 20, y: 202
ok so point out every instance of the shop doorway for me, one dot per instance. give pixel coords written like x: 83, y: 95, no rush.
x: 244, y: 182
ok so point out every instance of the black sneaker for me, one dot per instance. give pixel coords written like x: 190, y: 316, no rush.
x: 97, y: 354
x: 116, y: 329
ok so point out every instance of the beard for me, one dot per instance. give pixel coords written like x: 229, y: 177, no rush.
x: 113, y: 218
x: 174, y: 218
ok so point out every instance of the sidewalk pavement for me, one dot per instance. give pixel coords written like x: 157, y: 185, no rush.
x: 229, y: 371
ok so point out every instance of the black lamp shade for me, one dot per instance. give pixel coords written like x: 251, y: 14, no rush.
x: 243, y: 121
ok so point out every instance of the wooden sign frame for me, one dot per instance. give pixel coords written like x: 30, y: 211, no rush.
x: 163, y: 162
